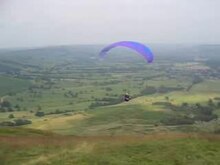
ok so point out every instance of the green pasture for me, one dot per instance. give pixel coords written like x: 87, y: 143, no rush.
x: 32, y: 147
x: 9, y: 85
x: 137, y: 116
x: 94, y: 82
x: 117, y: 119
x: 86, y: 120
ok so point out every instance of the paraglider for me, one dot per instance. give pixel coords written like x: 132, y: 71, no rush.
x: 138, y: 47
x: 141, y: 49
x: 127, y: 97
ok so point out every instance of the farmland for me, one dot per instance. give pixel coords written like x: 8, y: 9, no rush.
x: 69, y: 95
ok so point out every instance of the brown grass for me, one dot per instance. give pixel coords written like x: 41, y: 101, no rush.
x: 61, y: 141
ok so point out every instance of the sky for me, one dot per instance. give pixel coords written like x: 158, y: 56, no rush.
x: 34, y: 23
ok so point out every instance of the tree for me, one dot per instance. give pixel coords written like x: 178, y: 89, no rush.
x: 198, y: 105
x: 185, y: 104
x: 39, y: 114
x: 19, y: 122
x: 17, y: 106
x: 6, y: 104
x: 218, y: 104
x: 11, y: 116
x: 167, y: 98
x: 210, y: 102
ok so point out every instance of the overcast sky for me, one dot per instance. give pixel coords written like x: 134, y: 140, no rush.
x: 27, y: 23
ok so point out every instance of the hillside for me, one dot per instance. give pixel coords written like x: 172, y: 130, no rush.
x: 63, y: 105
x: 158, y: 148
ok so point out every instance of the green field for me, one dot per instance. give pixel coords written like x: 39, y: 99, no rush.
x: 68, y: 108
x: 11, y: 86
x: 160, y: 148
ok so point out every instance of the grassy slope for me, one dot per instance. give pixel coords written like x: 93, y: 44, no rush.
x: 134, y: 117
x: 160, y: 148
x: 116, y: 120
x: 16, y: 131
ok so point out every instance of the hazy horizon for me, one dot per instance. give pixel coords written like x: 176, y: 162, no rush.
x: 42, y: 23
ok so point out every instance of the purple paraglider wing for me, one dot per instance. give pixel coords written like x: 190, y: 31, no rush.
x: 138, y: 47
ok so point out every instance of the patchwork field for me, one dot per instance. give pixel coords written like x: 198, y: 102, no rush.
x: 67, y: 107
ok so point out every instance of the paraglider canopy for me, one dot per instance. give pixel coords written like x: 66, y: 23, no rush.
x: 138, y: 47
